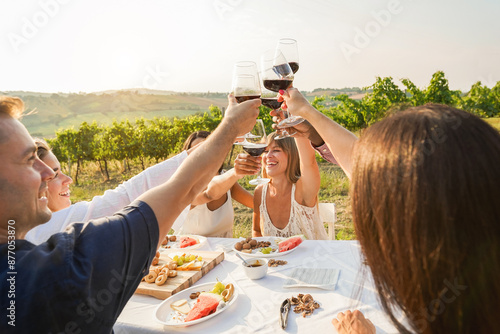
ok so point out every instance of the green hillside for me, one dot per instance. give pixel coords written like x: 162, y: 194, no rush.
x: 51, y: 112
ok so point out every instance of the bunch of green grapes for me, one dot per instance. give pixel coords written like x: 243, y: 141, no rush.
x: 266, y: 250
x: 186, y: 258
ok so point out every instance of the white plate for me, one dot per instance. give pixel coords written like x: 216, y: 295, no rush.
x: 164, y: 312
x: 274, y: 245
x: 176, y: 244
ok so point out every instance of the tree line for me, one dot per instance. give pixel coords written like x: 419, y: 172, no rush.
x: 159, y: 138
x: 386, y: 97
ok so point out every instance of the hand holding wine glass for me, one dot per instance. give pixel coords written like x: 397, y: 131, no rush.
x: 276, y: 75
x: 256, y: 145
x: 242, y: 115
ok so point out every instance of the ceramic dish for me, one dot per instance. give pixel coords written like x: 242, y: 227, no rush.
x: 165, y: 315
x: 175, y: 245
x: 274, y: 245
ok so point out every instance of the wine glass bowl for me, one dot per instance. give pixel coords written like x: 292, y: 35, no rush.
x: 246, y: 87
x: 288, y: 47
x: 276, y: 73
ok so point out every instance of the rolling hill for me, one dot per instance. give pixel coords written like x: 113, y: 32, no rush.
x: 51, y: 112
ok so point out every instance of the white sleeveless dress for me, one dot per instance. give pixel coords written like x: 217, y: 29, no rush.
x: 303, y: 220
x: 202, y: 221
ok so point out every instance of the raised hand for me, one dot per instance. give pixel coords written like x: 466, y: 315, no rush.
x: 304, y: 129
x: 242, y: 115
x: 245, y: 164
x: 353, y: 323
x: 294, y: 102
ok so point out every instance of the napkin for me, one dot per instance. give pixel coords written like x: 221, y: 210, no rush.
x: 321, y: 278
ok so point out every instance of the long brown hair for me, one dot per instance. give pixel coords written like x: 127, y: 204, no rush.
x: 192, y: 137
x: 293, y: 160
x: 195, y: 135
x: 425, y: 198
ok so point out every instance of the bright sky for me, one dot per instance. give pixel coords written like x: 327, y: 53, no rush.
x: 191, y: 45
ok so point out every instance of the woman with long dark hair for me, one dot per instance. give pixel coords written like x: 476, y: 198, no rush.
x: 425, y: 191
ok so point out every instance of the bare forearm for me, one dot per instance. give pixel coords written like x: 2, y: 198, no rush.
x: 306, y: 153
x: 218, y: 186
x: 310, y: 181
x: 241, y: 195
x: 339, y: 140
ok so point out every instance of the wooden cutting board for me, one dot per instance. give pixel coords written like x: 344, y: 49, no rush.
x: 184, y: 279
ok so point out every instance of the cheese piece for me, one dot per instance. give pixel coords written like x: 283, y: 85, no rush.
x: 181, y: 306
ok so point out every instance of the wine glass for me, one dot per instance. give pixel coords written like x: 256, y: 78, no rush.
x: 255, y: 146
x: 276, y: 74
x: 246, y: 84
x: 290, y: 51
x: 288, y: 47
x: 245, y: 87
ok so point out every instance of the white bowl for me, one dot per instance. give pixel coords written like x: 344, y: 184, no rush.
x: 256, y: 272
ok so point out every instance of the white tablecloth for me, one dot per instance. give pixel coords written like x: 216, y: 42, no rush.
x: 257, y: 308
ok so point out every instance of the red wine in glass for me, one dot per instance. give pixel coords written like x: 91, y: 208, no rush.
x: 244, y: 98
x: 276, y: 84
x: 271, y: 102
x: 255, y: 150
x: 294, y: 65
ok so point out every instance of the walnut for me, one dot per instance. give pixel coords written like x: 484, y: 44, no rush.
x: 194, y: 295
x: 307, y: 298
x: 304, y: 304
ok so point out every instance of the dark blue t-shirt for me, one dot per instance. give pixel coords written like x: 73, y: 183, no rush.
x: 79, y: 280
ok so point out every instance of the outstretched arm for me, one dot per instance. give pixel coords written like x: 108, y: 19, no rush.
x: 339, y: 140
x: 169, y: 199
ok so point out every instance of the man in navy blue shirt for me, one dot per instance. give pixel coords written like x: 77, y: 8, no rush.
x: 80, y: 280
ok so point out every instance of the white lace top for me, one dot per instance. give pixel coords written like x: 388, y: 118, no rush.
x: 303, y: 220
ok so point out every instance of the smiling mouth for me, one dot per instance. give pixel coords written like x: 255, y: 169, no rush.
x: 271, y: 164
x: 65, y: 194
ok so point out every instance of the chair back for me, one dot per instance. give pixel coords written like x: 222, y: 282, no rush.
x: 328, y: 214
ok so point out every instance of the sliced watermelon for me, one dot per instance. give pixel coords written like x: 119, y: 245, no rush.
x: 205, y: 305
x: 290, y: 243
x: 187, y: 241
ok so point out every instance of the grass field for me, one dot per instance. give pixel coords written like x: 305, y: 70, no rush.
x: 495, y: 122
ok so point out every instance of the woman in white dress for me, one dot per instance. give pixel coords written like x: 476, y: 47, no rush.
x: 288, y: 204
x: 211, y: 212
